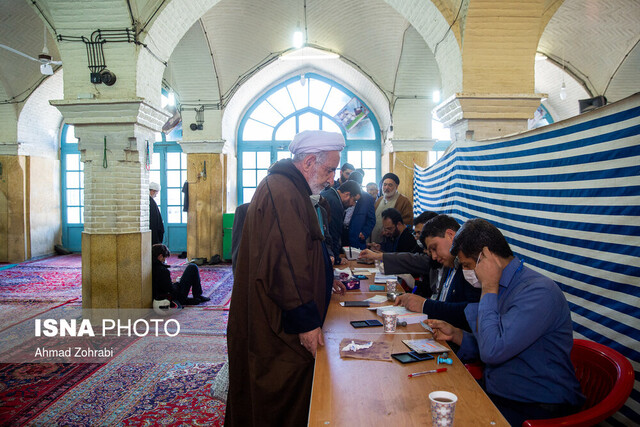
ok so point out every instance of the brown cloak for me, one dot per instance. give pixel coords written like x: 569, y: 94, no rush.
x: 279, y: 291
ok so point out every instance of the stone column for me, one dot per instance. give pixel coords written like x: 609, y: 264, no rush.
x: 403, y: 153
x: 14, y: 241
x: 116, y: 242
x: 477, y: 117
x: 206, y: 197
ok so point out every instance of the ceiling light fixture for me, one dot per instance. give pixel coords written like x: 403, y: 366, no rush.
x: 436, y: 96
x: 563, y: 88
x: 298, y: 37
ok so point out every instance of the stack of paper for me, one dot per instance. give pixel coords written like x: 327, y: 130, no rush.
x: 382, y: 278
x: 404, y: 315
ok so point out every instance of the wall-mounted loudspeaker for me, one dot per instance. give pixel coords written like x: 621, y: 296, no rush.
x: 591, y: 103
x: 107, y: 77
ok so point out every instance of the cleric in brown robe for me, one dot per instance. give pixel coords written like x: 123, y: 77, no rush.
x: 282, y: 289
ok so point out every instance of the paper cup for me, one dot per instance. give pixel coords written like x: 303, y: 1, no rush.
x: 443, y: 406
x: 389, y: 319
x: 392, y: 286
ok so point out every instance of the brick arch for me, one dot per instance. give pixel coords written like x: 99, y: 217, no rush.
x: 432, y: 19
x: 177, y: 16
x: 163, y: 35
x: 39, y: 122
x: 279, y: 71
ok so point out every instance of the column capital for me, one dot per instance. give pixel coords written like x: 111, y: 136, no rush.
x: 191, y: 147
x: 480, y: 116
x: 134, y: 111
x: 466, y: 105
x: 414, y: 145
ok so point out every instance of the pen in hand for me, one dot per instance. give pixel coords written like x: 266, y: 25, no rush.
x: 417, y: 374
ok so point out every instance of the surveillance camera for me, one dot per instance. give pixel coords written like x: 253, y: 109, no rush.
x: 107, y: 77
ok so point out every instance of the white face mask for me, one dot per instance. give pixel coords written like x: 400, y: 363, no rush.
x: 470, y: 276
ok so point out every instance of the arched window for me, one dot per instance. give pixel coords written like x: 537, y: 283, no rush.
x: 307, y: 102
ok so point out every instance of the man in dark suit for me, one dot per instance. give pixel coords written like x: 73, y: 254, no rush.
x: 155, y: 218
x: 454, y: 292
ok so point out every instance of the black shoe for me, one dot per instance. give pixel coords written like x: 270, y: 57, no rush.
x: 190, y: 301
x: 203, y: 298
x: 182, y: 255
x: 215, y: 260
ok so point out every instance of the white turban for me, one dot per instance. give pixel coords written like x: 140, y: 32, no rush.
x: 315, y: 141
x: 154, y: 186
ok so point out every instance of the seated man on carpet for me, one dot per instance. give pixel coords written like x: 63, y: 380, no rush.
x: 521, y: 329
x: 162, y: 286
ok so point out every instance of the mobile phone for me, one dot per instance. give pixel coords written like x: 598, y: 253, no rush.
x: 411, y: 357
x: 360, y: 276
x: 365, y: 323
x: 356, y: 303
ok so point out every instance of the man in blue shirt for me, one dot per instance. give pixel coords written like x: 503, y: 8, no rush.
x: 521, y: 329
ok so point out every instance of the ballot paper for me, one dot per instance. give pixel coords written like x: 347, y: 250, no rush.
x: 363, y: 270
x: 425, y: 345
x: 404, y: 315
x: 377, y: 299
x: 351, y: 253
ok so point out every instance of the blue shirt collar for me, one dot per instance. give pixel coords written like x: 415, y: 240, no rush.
x: 510, y: 271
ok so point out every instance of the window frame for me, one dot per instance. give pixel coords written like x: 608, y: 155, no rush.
x: 274, y: 145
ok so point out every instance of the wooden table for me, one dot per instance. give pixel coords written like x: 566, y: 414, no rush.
x: 356, y: 392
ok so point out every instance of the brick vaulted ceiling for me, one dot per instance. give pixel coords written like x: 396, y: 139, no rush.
x: 598, y: 41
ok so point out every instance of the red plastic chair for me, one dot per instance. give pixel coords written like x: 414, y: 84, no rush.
x: 476, y: 369
x: 606, y: 378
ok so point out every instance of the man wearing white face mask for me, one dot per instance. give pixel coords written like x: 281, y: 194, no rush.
x: 521, y: 330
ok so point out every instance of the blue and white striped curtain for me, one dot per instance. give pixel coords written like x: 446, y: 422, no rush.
x: 567, y: 198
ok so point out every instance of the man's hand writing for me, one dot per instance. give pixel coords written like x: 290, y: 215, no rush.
x: 444, y: 331
x: 411, y: 302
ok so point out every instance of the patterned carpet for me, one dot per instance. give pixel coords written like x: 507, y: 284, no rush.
x: 150, y: 381
x: 16, y: 311
x: 155, y: 382
x: 60, y: 279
